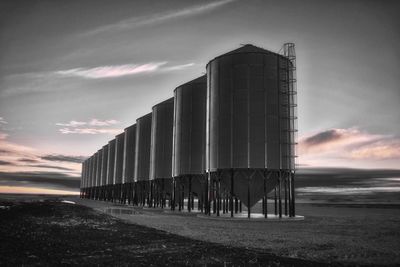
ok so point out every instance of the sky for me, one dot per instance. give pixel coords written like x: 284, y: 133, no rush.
x: 73, y: 74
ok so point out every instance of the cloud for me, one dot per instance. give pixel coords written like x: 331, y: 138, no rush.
x: 98, y: 127
x: 331, y: 139
x: 47, y: 179
x: 96, y: 122
x: 112, y: 131
x: 52, y: 167
x: 3, y: 136
x: 157, y: 18
x: 323, y: 137
x: 10, y: 147
x: 381, y: 149
x: 3, y: 121
x: 92, y: 122
x: 110, y: 71
x: 28, y: 160
x: 71, y: 123
x: 74, y: 159
x: 15, y: 158
x: 178, y: 67
x: 351, y: 145
x: 115, y: 71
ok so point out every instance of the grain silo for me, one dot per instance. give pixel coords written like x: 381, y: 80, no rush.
x: 110, y: 170
x: 85, y: 175
x: 129, y: 163
x: 83, y: 180
x: 142, y: 158
x: 98, y: 173
x: 189, y: 142
x: 250, y: 128
x: 89, y: 178
x: 104, y: 158
x: 118, y: 165
x: 94, y: 175
x: 161, y: 153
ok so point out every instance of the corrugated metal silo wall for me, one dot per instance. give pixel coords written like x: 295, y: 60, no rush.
x: 93, y: 170
x: 161, y: 140
x: 82, y: 175
x: 99, y: 162
x: 190, y: 127
x: 243, y: 111
x: 142, y: 152
x: 86, y: 173
x: 129, y: 154
x: 89, y: 178
x: 94, y: 166
x: 119, y: 158
x: 104, y: 160
x: 111, y: 162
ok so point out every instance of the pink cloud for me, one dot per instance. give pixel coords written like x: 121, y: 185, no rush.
x: 111, y: 131
x: 380, y: 150
x: 21, y: 158
x: 121, y: 70
x: 111, y: 71
x: 349, y: 147
x: 326, y: 141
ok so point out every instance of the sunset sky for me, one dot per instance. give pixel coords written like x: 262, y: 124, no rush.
x: 73, y: 74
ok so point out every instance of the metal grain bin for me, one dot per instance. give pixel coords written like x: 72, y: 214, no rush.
x: 104, y: 152
x: 90, y: 172
x: 129, y: 154
x: 246, y: 135
x: 161, y: 140
x: 190, y: 128
x: 99, y: 167
x: 119, y: 158
x: 142, y: 152
x: 244, y: 110
x: 94, y: 167
x: 111, y: 162
x: 86, y: 173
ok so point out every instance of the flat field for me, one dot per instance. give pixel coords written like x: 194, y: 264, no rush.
x: 45, y: 231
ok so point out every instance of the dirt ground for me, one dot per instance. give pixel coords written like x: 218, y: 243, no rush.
x: 49, y: 232
x: 46, y: 231
x: 355, y: 234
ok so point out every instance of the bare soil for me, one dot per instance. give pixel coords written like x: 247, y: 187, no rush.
x: 47, y: 232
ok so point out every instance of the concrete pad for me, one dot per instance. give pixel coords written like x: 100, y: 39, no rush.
x: 253, y: 217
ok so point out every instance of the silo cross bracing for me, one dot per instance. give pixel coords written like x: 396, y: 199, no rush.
x: 189, y: 142
x: 110, y: 171
x: 161, y: 153
x: 128, y: 178
x: 248, y: 148
x: 118, y: 166
x: 142, y: 158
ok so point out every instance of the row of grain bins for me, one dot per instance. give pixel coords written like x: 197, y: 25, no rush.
x: 225, y: 140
